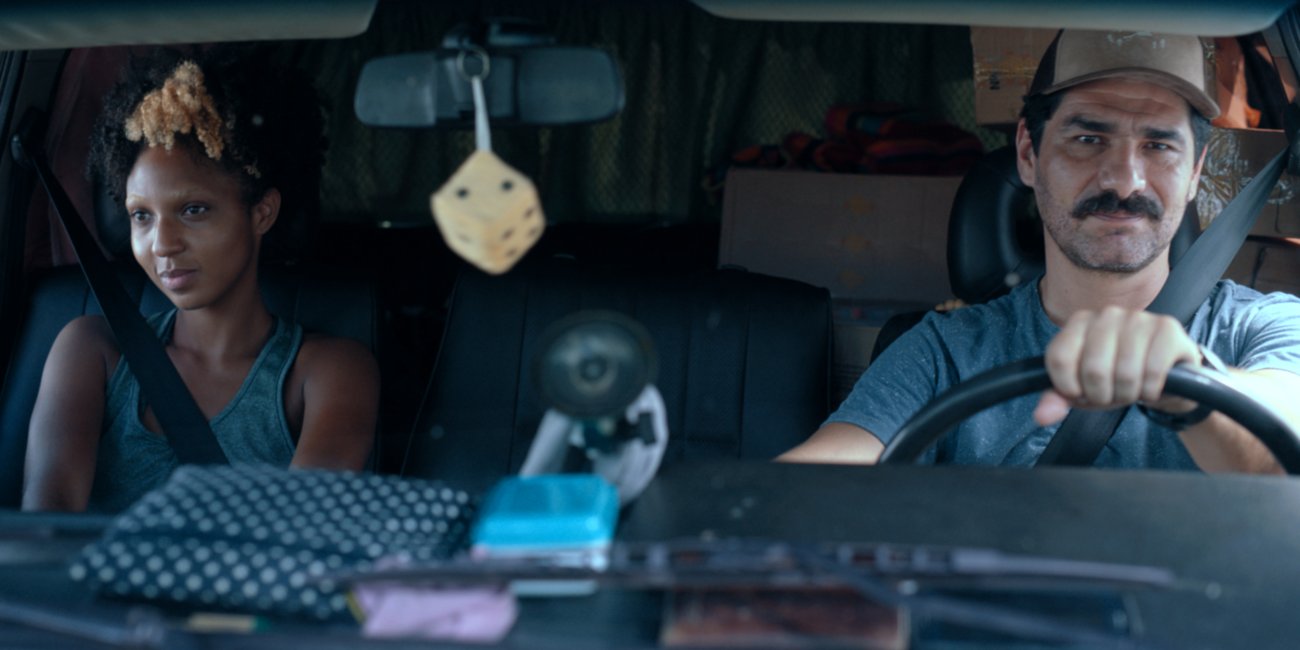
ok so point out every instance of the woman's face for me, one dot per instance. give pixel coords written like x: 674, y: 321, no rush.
x: 190, y: 230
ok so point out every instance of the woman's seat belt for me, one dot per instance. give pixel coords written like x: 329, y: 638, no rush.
x: 182, y: 422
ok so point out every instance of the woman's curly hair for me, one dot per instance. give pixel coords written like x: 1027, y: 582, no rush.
x: 260, y: 123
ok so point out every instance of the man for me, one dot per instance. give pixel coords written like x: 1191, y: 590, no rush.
x: 1112, y: 140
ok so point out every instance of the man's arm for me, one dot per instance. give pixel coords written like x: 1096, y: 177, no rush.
x: 898, y: 383
x: 837, y: 442
x: 1221, y: 445
x: 1116, y: 357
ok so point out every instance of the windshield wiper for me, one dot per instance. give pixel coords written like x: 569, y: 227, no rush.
x: 983, y: 616
x: 143, y: 627
x: 679, y: 563
x: 888, y: 574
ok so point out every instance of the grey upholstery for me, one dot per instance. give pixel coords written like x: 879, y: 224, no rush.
x: 744, y: 362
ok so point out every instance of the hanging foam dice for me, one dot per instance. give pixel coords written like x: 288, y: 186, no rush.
x: 489, y: 213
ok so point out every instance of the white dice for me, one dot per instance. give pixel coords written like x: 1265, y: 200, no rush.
x: 488, y: 213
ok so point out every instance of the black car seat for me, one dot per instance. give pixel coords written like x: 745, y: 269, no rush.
x: 319, y: 299
x: 743, y: 358
x: 995, y: 238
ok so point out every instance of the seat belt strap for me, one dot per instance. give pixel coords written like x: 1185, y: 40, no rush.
x: 1083, y: 434
x: 182, y: 422
x: 1201, y: 267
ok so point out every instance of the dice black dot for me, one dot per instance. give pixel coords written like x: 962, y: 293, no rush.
x: 512, y: 253
x: 462, y: 192
x: 529, y: 214
x: 533, y: 232
x: 510, y: 232
x: 507, y: 185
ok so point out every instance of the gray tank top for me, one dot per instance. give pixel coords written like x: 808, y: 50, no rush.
x: 252, y: 428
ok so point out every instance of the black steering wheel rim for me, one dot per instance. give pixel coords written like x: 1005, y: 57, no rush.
x: 938, y: 417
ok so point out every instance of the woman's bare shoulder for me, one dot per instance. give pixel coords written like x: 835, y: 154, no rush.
x: 336, y: 358
x: 89, y: 334
x: 339, y: 383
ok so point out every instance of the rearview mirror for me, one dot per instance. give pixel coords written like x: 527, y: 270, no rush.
x: 535, y: 86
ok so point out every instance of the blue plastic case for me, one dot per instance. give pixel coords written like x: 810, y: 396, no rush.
x: 555, y: 512
x: 562, y: 519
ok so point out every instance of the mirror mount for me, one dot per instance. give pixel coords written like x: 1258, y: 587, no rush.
x: 495, y: 33
x: 532, y: 82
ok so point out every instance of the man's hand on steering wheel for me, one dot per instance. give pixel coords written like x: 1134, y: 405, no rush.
x: 1114, y: 357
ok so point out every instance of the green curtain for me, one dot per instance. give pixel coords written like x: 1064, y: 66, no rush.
x: 698, y: 88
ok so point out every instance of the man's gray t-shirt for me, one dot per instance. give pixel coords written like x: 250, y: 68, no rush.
x: 1245, y: 328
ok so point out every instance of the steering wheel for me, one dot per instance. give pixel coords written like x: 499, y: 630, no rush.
x: 1030, y: 375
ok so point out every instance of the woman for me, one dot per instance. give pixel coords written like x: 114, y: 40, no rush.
x: 206, y: 155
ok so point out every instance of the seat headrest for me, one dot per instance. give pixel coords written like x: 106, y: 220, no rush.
x: 994, y: 236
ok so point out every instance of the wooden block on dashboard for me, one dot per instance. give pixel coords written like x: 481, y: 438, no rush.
x: 776, y: 617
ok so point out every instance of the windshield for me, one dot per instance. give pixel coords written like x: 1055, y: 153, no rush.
x: 685, y: 323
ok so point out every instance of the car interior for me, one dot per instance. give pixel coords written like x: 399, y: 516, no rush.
x: 635, y: 164
x: 454, y: 344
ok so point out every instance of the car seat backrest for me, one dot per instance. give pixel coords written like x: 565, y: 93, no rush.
x: 319, y: 299
x: 743, y: 363
x: 994, y: 237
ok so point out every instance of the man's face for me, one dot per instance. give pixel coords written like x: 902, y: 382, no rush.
x: 1113, y: 174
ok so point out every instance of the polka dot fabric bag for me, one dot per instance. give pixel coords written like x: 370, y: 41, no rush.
x: 258, y: 539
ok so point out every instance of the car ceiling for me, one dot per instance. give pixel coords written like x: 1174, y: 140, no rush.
x: 1200, y: 17
x: 51, y: 24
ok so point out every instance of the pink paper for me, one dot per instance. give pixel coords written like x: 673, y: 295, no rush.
x: 459, y: 613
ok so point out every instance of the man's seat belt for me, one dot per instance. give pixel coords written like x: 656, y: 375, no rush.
x: 184, y: 425
x: 1084, y: 433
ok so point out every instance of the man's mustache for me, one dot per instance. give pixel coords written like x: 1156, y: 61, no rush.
x: 1109, y: 202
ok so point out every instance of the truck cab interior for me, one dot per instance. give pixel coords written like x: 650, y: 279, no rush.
x: 774, y: 190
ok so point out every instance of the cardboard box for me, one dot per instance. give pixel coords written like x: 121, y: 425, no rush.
x: 1005, y: 60
x: 1268, y: 265
x: 878, y: 243
x: 1235, y: 156
x: 872, y: 238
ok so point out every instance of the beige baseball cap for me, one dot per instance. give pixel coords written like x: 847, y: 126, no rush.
x: 1174, y: 61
